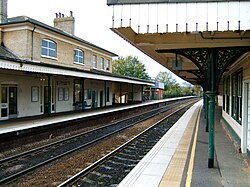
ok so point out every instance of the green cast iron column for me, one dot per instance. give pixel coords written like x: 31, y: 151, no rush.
x: 206, y: 111
x: 211, y: 93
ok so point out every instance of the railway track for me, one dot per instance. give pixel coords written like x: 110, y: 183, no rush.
x: 15, y: 166
x: 112, y: 168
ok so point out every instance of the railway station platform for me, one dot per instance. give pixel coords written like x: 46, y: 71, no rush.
x: 19, y: 124
x: 180, y: 157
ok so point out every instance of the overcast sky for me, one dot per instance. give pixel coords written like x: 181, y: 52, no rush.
x: 93, y: 23
x: 94, y: 20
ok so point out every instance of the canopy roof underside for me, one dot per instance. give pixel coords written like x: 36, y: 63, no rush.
x: 162, y: 47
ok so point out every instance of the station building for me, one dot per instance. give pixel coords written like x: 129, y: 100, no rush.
x: 46, y: 70
x: 206, y: 43
x: 155, y: 92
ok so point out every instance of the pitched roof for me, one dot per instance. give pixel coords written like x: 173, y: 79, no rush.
x: 26, y: 19
x: 7, y: 55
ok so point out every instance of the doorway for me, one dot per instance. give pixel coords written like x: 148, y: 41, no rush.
x: 8, y: 102
x: 101, y: 98
x: 46, y: 99
x: 93, y: 99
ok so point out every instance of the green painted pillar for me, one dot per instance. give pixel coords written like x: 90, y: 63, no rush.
x: 211, y: 93
x: 211, y: 119
x: 49, y: 95
x: 82, y: 94
x: 206, y: 111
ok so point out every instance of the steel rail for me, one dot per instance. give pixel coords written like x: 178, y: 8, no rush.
x: 18, y: 174
x: 71, y: 137
x: 90, y: 168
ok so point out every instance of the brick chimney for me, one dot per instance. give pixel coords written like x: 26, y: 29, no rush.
x: 3, y: 11
x: 65, y: 23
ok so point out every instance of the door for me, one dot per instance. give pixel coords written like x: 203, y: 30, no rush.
x: 46, y: 99
x: 8, y: 102
x: 101, y: 98
x: 93, y: 99
x: 12, y: 101
x: 4, y: 103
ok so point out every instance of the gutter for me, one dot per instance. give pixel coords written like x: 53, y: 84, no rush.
x: 223, y: 38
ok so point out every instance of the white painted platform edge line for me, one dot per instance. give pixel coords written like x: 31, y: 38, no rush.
x: 134, y: 174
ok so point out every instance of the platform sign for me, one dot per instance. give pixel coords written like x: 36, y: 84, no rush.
x: 119, y: 2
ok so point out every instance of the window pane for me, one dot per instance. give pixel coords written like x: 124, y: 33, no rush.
x: 81, y: 60
x: 76, y: 59
x: 102, y: 63
x: 80, y: 53
x: 44, y: 43
x: 94, y: 61
x: 52, y: 53
x: 44, y: 51
x: 52, y: 45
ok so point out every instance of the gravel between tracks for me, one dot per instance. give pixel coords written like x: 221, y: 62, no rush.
x: 59, y: 171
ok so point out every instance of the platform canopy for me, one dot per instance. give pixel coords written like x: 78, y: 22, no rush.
x: 196, y: 40
x: 185, y: 54
x: 120, y: 2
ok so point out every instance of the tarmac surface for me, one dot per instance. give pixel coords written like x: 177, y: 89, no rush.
x: 231, y: 169
x: 180, y: 158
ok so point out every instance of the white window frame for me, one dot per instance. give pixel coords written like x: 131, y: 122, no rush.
x: 102, y: 63
x: 94, y: 62
x: 108, y: 65
x: 48, y: 49
x: 78, y: 56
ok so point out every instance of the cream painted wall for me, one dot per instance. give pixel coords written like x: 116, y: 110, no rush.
x: 64, y: 105
x: 137, y: 93
x: 24, y: 104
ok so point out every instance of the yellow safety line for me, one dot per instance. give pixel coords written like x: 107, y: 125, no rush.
x: 191, y: 161
x: 173, y: 174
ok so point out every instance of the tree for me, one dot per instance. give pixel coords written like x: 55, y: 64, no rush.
x: 167, y: 79
x: 130, y: 66
x: 172, y: 88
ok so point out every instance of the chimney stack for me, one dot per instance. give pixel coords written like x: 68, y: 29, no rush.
x: 65, y: 23
x: 3, y: 11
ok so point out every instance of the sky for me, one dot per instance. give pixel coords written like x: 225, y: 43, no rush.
x: 93, y: 20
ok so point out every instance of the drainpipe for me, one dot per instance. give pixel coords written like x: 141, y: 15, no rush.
x: 32, y: 43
